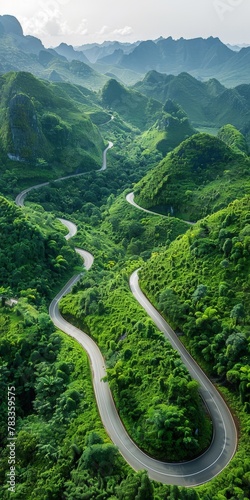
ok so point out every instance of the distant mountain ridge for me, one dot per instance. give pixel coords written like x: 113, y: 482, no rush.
x: 204, y: 102
x: 202, y: 58
x: 167, y: 54
x: 89, y: 65
x: 27, y: 53
x: 95, y: 51
x: 70, y: 53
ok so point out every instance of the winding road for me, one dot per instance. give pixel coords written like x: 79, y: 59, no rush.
x: 224, y: 442
x: 21, y: 196
x: 130, y: 198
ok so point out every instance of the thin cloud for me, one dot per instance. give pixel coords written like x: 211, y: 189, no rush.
x: 127, y: 30
x: 57, y: 28
x: 82, y: 28
x: 51, y: 22
x: 105, y: 29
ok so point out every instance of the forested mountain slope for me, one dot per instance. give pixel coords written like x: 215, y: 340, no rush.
x: 43, y: 127
x: 233, y: 138
x: 169, y: 130
x: 197, y: 276
x: 200, y: 176
x: 201, y: 284
x: 134, y: 107
x: 206, y: 103
x: 29, y: 257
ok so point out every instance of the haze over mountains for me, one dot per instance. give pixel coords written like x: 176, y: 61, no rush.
x: 92, y: 66
x: 202, y: 58
x: 27, y: 53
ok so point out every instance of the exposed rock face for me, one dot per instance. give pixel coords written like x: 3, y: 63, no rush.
x: 25, y: 133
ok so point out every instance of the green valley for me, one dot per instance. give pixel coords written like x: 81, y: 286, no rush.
x: 59, y: 108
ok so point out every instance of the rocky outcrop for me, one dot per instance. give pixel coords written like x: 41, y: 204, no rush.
x: 26, y: 137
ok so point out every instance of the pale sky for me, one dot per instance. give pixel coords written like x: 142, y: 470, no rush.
x: 78, y: 22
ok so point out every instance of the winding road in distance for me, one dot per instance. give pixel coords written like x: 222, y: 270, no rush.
x: 224, y: 442
x: 21, y: 196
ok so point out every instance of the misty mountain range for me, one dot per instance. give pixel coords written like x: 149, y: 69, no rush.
x: 92, y: 64
x: 202, y: 58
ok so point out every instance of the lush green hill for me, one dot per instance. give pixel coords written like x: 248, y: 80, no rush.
x: 201, y: 284
x: 44, y: 130
x: 169, y: 130
x: 233, y: 138
x: 193, y: 95
x: 200, y: 176
x: 30, y: 258
x: 206, y: 103
x: 133, y: 107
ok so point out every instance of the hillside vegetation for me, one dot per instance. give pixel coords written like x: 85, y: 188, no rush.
x: 197, y: 275
x: 233, y: 138
x: 44, y: 130
x: 31, y: 258
x: 101, y: 305
x: 200, y: 176
x: 206, y: 103
x: 201, y: 284
x: 62, y: 449
x: 57, y: 415
x: 134, y: 107
x: 170, y: 129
